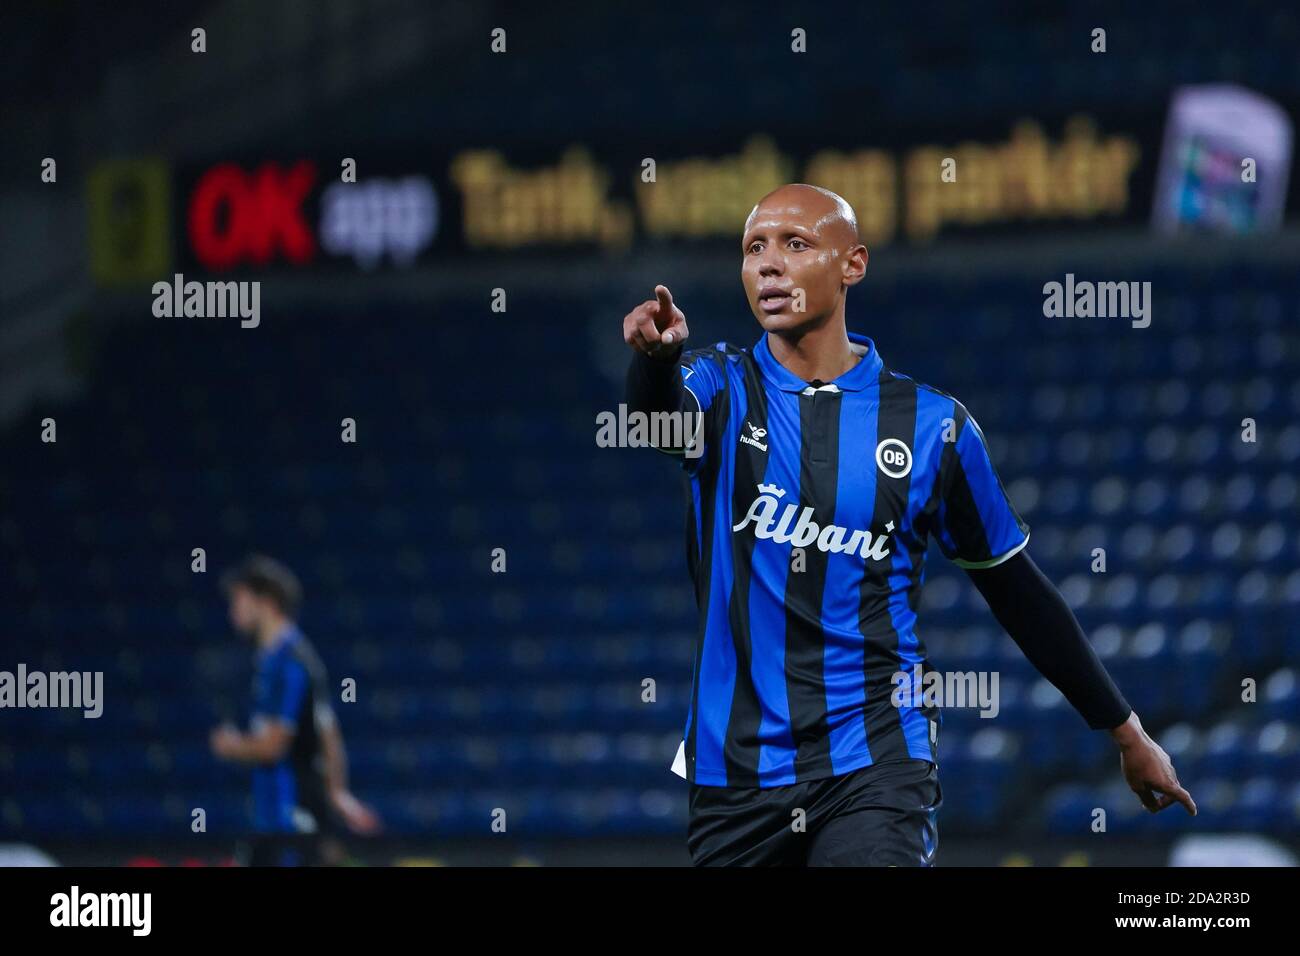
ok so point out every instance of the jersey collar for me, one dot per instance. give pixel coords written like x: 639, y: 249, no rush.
x: 863, y: 375
x: 287, y: 635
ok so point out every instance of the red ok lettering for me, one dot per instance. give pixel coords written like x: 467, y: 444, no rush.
x: 237, y: 217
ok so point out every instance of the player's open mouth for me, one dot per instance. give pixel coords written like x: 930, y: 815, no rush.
x: 773, y: 301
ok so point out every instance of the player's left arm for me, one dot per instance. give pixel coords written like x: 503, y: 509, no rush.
x: 1036, y: 616
x: 359, y: 817
x: 978, y: 528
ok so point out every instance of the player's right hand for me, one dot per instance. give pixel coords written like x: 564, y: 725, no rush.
x: 656, y: 327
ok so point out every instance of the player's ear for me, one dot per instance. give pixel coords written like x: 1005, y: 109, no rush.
x: 855, y: 265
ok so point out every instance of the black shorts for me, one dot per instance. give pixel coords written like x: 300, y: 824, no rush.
x: 295, y: 849
x: 882, y: 815
x: 280, y: 849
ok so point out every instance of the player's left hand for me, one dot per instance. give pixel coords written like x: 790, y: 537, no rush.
x: 1148, y: 769
x: 358, y: 817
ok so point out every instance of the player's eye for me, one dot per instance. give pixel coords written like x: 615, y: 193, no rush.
x: 754, y: 247
x: 798, y: 244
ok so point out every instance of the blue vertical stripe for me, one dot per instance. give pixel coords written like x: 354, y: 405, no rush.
x: 916, y: 728
x: 698, y: 517
x: 844, y: 656
x: 927, y: 441
x: 767, y: 620
x: 286, y: 795
x: 718, y: 656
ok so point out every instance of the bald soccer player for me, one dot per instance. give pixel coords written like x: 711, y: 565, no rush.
x: 817, y: 477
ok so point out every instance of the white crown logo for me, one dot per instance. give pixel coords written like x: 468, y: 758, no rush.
x: 772, y: 490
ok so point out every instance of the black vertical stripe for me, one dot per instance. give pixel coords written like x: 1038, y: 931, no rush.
x: 962, y: 515
x: 805, y: 640
x: 926, y: 523
x: 742, y: 748
x: 895, y: 418
x: 716, y: 425
x: 914, y: 602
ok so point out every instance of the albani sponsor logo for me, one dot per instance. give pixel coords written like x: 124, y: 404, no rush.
x: 805, y: 531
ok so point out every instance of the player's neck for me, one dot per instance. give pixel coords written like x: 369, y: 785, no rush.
x: 823, y: 353
x: 270, y: 630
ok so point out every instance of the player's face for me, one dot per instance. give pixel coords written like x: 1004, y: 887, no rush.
x: 245, y: 609
x: 794, y: 263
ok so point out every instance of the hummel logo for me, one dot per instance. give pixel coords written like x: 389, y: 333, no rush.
x: 754, y: 437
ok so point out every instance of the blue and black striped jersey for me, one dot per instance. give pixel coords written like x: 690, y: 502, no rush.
x: 810, y: 512
x: 289, y: 687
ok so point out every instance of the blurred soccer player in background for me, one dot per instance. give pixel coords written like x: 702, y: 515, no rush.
x: 817, y: 477
x: 293, y: 744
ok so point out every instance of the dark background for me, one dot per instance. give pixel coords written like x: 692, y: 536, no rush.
x: 476, y: 428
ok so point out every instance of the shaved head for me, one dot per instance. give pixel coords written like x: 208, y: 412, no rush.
x: 834, y: 215
x: 799, y: 255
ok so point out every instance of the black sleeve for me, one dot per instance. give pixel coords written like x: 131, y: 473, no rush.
x: 1033, y: 612
x: 655, y: 384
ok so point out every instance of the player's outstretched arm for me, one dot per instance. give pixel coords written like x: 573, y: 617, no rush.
x: 656, y: 332
x: 1037, y: 618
